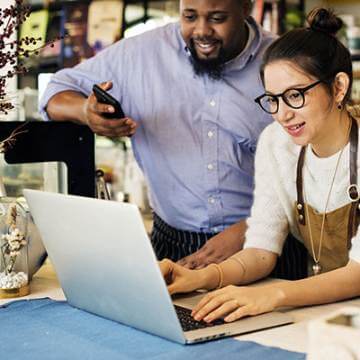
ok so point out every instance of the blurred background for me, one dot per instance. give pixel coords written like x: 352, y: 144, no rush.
x: 92, y: 25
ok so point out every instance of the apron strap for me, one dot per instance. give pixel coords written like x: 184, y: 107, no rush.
x: 299, y: 187
x: 353, y: 191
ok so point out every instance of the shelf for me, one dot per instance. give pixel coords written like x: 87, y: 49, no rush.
x: 57, y: 5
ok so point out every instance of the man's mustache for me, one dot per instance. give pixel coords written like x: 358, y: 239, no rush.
x: 204, y: 39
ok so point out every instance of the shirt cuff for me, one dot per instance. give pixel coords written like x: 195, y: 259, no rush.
x: 51, y: 90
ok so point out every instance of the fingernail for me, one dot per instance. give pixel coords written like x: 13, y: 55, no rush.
x: 110, y: 109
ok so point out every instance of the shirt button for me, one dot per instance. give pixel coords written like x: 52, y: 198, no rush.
x: 215, y: 230
x: 211, y: 200
x: 210, y: 134
x: 212, y: 103
x: 210, y: 167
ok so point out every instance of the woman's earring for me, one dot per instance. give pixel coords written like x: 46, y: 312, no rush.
x: 340, y: 107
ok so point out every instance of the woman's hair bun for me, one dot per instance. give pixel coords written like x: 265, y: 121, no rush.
x: 324, y: 20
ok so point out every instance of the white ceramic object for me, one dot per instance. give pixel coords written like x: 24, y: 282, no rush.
x: 335, y: 336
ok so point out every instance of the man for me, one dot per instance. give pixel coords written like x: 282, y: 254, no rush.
x: 187, y: 90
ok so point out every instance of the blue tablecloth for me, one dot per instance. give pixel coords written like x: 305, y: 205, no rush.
x: 48, y: 329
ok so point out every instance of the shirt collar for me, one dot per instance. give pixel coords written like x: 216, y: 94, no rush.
x: 251, y: 49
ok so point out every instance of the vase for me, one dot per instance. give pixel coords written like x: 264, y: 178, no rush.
x: 14, y: 254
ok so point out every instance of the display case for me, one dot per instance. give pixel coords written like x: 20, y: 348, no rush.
x: 50, y: 156
x: 48, y: 176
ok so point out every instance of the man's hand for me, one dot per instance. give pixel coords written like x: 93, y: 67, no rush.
x: 182, y: 280
x: 93, y: 117
x: 218, y: 248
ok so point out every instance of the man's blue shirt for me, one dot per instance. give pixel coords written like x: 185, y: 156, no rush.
x: 196, y: 137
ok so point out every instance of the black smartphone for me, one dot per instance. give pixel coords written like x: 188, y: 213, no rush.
x: 105, y: 98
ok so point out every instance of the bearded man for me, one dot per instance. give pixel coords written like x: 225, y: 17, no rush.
x: 187, y: 90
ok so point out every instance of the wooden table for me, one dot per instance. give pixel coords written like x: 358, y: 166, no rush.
x: 290, y: 337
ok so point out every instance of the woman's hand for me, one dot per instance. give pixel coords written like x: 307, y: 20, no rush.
x: 182, y: 280
x: 233, y: 302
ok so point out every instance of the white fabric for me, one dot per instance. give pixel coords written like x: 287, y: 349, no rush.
x: 272, y: 214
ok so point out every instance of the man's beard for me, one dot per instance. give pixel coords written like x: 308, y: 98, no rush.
x: 211, y: 67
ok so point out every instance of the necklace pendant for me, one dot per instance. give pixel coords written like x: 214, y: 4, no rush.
x: 316, y: 268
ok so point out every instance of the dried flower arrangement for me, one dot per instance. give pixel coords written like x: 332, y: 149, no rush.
x: 12, y: 242
x: 12, y: 52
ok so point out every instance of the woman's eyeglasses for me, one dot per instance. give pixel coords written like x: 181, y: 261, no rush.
x: 295, y: 98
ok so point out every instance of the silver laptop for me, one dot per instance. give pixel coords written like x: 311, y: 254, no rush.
x: 106, y: 265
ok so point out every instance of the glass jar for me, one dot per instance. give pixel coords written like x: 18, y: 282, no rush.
x: 14, y: 268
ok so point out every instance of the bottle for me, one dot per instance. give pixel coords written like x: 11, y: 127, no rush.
x: 101, y: 188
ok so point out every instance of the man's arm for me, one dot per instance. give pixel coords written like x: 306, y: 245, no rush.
x: 74, y: 106
x: 218, y: 248
x: 67, y: 106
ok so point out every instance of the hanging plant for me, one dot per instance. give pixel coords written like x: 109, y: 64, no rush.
x: 13, y: 49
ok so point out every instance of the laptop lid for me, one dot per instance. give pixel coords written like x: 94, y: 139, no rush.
x: 104, y: 260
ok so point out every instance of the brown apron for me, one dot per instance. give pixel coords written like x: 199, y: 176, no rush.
x: 340, y: 224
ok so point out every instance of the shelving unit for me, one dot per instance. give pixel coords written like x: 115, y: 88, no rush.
x: 59, y: 5
x: 273, y: 14
x: 71, y: 16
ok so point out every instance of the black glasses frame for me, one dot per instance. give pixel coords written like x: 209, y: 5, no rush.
x: 276, y: 97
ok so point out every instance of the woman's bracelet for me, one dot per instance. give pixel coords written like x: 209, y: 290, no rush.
x: 220, y: 273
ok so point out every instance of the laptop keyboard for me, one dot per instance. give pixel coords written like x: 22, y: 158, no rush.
x: 188, y: 323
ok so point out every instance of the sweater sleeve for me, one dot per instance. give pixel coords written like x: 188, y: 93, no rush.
x: 82, y: 77
x: 268, y: 224
x: 355, y: 248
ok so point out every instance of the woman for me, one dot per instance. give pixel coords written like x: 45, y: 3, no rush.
x: 305, y: 163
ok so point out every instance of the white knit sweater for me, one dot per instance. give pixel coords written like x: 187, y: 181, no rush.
x: 272, y: 214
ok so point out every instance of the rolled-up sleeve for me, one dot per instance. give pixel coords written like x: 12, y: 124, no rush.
x: 83, y: 76
x: 268, y: 225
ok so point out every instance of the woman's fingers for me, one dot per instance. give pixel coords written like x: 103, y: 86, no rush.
x: 236, y: 302
x: 213, y: 304
x: 202, y: 303
x: 207, y: 298
x: 239, y: 313
x: 227, y: 307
